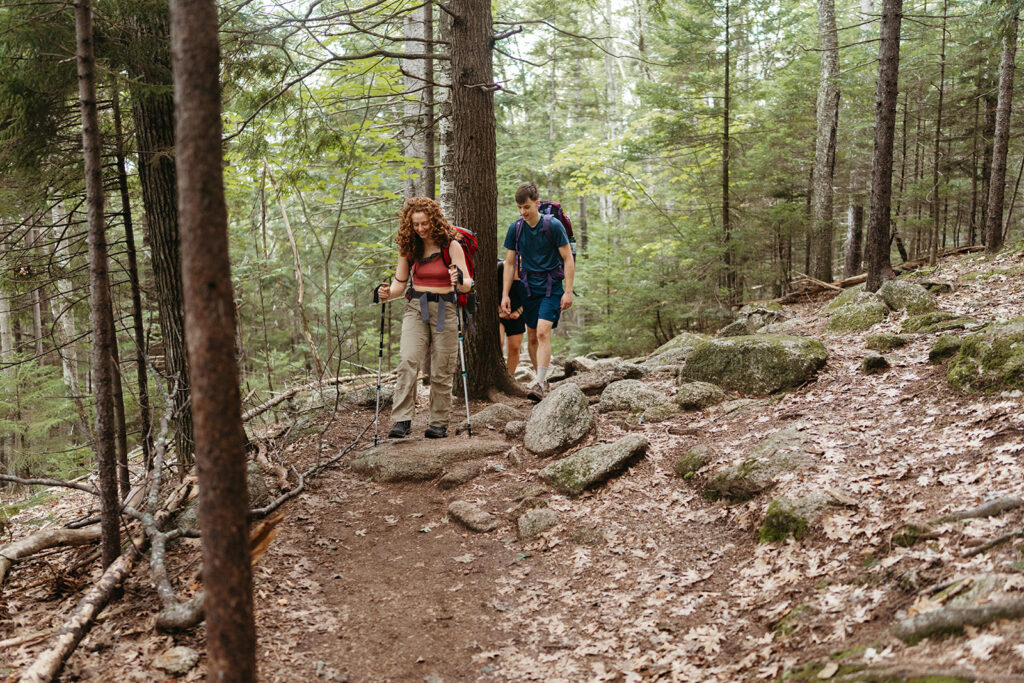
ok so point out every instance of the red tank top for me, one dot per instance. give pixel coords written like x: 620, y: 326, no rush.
x: 431, y: 273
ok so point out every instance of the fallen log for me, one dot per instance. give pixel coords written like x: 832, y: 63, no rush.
x: 49, y: 663
x: 281, y: 398
x: 42, y: 540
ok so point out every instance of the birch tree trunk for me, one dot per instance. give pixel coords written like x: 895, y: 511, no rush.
x: 444, y: 114
x: 416, y: 119
x: 210, y: 336
x: 99, y: 285
x: 876, y: 251
x: 1001, y: 140
x: 825, y: 142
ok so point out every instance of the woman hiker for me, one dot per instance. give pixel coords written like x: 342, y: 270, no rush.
x: 429, y: 324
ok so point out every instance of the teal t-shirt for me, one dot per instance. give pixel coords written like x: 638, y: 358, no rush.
x: 538, y: 252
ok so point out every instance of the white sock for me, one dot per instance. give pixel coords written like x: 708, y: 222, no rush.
x: 542, y: 374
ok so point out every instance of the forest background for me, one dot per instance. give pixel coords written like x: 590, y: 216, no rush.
x: 680, y: 138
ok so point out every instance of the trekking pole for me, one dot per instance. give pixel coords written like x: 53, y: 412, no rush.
x: 462, y: 355
x: 380, y: 362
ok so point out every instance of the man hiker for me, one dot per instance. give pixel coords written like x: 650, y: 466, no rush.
x: 538, y: 248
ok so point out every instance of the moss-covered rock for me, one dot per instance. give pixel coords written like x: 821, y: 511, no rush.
x: 698, y: 395
x: 735, y: 329
x: 901, y: 295
x: 863, y: 312
x: 756, y: 364
x: 591, y: 466
x: 873, y: 363
x: 785, y: 517
x: 693, y: 460
x: 991, y: 359
x: 847, y: 296
x: 937, y: 321
x: 675, y: 351
x: 783, y: 327
x: 629, y: 394
x: 946, y: 346
x: 886, y: 342
x: 783, y: 451
x: 660, y: 412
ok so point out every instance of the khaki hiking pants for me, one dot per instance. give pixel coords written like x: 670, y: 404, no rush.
x: 419, y: 338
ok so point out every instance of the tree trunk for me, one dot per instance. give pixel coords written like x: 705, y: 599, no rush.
x: 37, y: 296
x: 933, y: 253
x: 475, y: 181
x: 972, y: 223
x: 210, y: 311
x: 987, y: 136
x: 147, y: 39
x: 446, y: 196
x: 416, y: 121
x: 146, y: 438
x: 825, y: 142
x: 854, y: 237
x: 1001, y: 140
x: 99, y: 284
x: 727, y: 251
x: 877, y: 244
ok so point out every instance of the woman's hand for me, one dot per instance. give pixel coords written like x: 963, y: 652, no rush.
x: 384, y: 292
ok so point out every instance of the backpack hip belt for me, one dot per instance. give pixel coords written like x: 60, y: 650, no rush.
x: 425, y: 299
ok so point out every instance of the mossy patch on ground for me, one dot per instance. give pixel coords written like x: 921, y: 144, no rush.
x: 692, y: 460
x: 756, y: 364
x: 874, y: 363
x: 946, y: 346
x: 936, y: 321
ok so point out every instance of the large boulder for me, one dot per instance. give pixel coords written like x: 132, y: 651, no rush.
x: 901, y: 295
x: 756, y: 364
x: 559, y: 422
x: 494, y: 416
x: 991, y: 359
x: 675, y: 351
x: 698, y: 395
x: 752, y: 318
x: 591, y: 466
x: 629, y: 394
x: 422, y: 459
x: 603, y: 373
x: 862, y: 311
x: 845, y: 297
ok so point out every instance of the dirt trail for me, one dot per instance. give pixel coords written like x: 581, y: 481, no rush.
x: 643, y: 579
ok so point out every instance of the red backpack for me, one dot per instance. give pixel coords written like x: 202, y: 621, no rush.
x: 467, y: 238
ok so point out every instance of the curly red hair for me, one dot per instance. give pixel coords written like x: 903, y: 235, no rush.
x: 410, y: 245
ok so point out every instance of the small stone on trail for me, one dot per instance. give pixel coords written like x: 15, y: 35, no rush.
x: 873, y: 363
x: 593, y: 465
x: 535, y: 522
x: 460, y: 473
x: 472, y: 517
x: 177, y: 660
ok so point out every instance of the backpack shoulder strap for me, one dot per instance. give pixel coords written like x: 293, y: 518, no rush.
x: 546, y: 228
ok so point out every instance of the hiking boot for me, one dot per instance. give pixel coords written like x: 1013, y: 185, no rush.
x: 537, y: 391
x: 436, y: 432
x: 400, y: 430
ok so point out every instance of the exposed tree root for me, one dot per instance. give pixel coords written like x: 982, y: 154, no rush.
x: 989, y: 509
x: 954, y: 619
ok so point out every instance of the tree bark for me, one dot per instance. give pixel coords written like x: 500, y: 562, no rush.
x: 987, y: 136
x: 877, y: 245
x: 416, y: 121
x: 934, y: 251
x: 99, y: 285
x: 476, y: 183
x: 133, y: 279
x: 1001, y: 140
x: 854, y: 237
x: 727, y: 250
x: 147, y: 43
x: 825, y: 142
x: 210, y: 315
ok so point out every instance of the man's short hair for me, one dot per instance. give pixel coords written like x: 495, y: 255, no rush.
x: 526, y: 191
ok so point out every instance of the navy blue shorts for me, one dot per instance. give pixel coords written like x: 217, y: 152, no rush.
x: 542, y: 308
x: 513, y: 327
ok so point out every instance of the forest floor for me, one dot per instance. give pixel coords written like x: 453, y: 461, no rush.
x: 643, y: 578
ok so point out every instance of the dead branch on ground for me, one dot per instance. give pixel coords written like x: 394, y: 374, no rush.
x: 954, y: 619
x: 989, y: 509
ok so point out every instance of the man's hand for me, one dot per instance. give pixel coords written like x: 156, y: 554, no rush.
x: 566, y: 301
x: 506, y: 305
